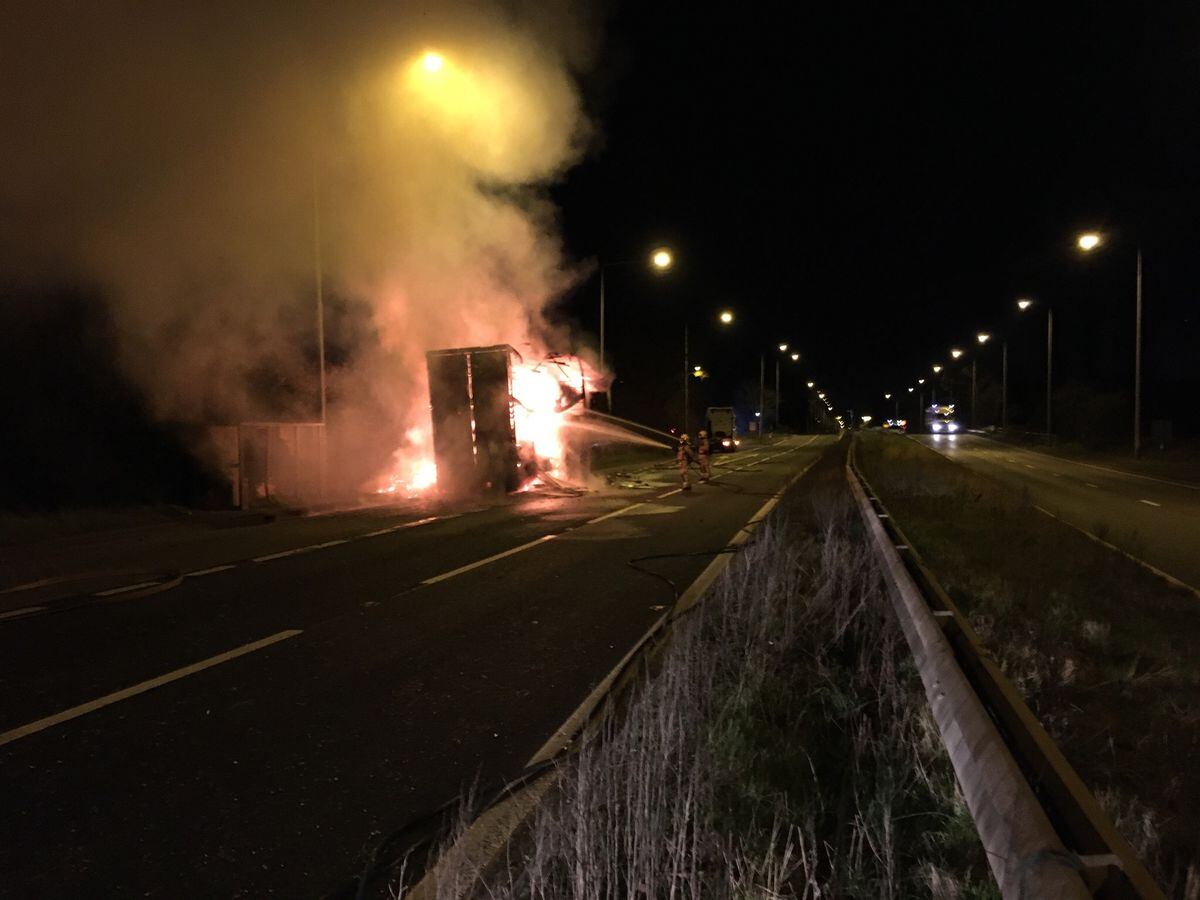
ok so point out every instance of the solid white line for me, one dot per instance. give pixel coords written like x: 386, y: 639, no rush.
x: 211, y: 571
x: 13, y: 613
x: 688, y: 598
x: 1165, y: 576
x: 669, y: 493
x: 82, y: 709
x: 128, y: 587
x: 491, y: 559
x: 1149, y: 503
x: 1191, y: 486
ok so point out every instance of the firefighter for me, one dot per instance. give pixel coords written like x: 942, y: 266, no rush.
x: 702, y: 452
x: 684, y: 457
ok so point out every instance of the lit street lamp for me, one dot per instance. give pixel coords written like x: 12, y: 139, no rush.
x: 1022, y: 305
x: 661, y: 261
x: 725, y: 317
x: 956, y: 353
x: 1087, y: 242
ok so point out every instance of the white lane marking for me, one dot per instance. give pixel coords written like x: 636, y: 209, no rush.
x: 1191, y: 486
x: 669, y: 493
x: 1165, y: 576
x: 83, y: 709
x: 403, y: 525
x: 1028, y: 466
x: 491, y: 559
x: 211, y: 571
x: 13, y: 613
x: 1149, y: 503
x: 296, y: 550
x: 1089, y: 484
x: 614, y: 513
x: 564, y: 733
x: 129, y: 587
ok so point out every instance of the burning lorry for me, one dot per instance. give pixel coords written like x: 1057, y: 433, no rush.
x: 500, y: 423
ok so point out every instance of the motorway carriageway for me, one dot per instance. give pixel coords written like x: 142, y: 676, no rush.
x: 252, y: 731
x: 1156, y: 521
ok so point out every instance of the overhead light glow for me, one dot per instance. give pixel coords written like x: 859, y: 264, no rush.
x: 783, y: 348
x: 795, y: 357
x: 662, y: 259
x: 1088, y: 241
x: 1024, y: 303
x: 812, y: 384
x: 887, y: 396
x: 956, y: 353
x: 920, y: 381
x: 433, y: 62
x: 983, y: 337
x: 726, y: 317
x: 936, y: 369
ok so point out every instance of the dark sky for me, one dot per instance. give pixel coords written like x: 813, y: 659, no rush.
x: 876, y: 183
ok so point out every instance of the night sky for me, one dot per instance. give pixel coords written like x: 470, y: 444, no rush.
x: 875, y: 185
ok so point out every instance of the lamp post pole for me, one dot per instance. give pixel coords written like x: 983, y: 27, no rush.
x: 1004, y: 385
x: 1049, y: 372
x: 762, y: 412
x: 1137, y: 364
x: 602, y: 320
x: 777, y: 395
x: 972, y: 391
x: 686, y: 374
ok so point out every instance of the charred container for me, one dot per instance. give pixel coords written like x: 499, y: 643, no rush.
x: 471, y: 406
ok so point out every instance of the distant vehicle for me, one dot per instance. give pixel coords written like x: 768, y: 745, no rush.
x: 900, y: 425
x: 722, y: 429
x: 941, y: 419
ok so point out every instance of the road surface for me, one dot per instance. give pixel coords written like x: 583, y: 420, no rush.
x: 252, y: 731
x: 1154, y: 520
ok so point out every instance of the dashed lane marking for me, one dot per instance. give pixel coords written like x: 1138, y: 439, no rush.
x: 1089, y: 484
x: 210, y: 571
x: 488, y: 560
x: 16, y: 613
x: 1149, y: 503
x: 297, y: 550
x: 125, y: 588
x: 83, y: 709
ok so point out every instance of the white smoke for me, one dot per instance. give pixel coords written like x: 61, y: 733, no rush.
x: 177, y: 157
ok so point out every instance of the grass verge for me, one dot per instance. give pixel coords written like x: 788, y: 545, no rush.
x: 783, y: 748
x: 1103, y: 651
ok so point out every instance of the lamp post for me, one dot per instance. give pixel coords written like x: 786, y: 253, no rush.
x: 725, y: 317
x: 1087, y: 242
x: 661, y: 260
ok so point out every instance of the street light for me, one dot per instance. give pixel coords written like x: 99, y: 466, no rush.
x: 795, y: 357
x: 661, y: 260
x: 812, y: 384
x: 936, y: 369
x: 1024, y: 304
x: 433, y: 62
x: 983, y: 337
x: 956, y: 353
x: 783, y: 348
x: 1088, y: 242
x: 726, y: 317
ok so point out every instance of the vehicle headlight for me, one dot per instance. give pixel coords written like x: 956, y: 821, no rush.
x: 936, y: 426
x: 737, y: 443
x: 953, y: 426
x: 725, y: 443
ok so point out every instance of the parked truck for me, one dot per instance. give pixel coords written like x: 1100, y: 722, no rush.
x: 722, y: 429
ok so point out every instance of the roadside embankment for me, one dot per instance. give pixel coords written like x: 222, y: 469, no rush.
x: 1102, y: 650
x: 782, y: 747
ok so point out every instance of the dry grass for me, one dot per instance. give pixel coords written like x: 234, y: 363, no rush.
x: 1104, y: 652
x: 782, y: 749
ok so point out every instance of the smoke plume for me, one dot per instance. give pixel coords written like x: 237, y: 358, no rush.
x: 194, y: 160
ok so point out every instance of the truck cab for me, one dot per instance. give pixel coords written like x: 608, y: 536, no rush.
x: 722, y: 429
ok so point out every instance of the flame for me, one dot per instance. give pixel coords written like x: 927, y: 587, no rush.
x: 545, y: 395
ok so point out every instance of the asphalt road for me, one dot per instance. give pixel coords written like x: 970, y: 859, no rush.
x: 1154, y: 520
x: 252, y: 731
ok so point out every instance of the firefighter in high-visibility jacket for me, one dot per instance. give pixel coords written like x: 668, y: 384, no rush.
x: 702, y: 453
x: 684, y: 457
